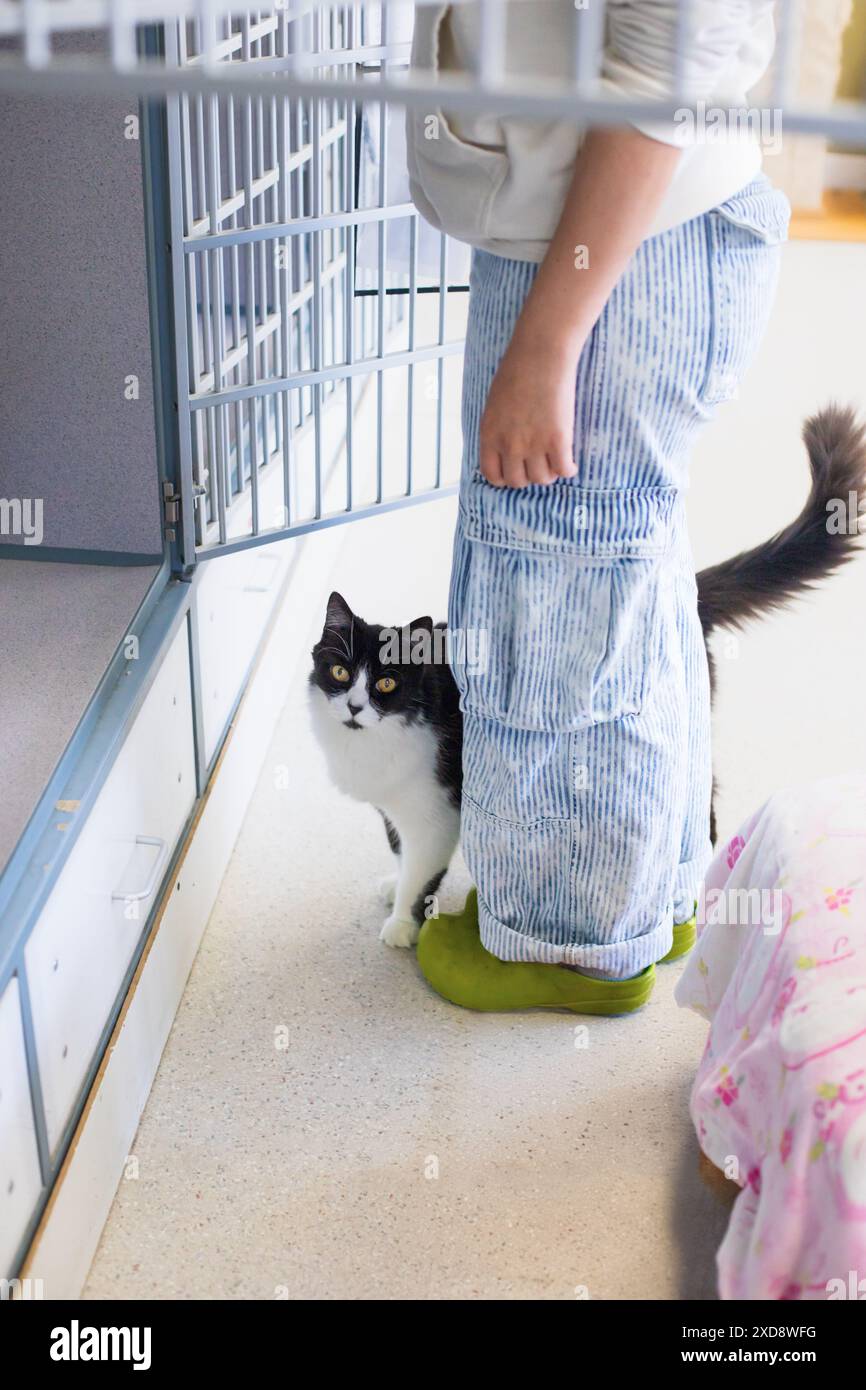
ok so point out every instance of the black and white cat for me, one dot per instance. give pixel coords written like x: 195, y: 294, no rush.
x: 386, y: 713
x: 392, y: 729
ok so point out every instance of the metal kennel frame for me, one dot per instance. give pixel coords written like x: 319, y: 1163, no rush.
x: 276, y: 159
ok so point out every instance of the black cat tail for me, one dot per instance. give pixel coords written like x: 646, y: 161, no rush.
x: 813, y: 546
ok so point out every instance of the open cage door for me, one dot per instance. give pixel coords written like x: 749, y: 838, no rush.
x: 315, y: 336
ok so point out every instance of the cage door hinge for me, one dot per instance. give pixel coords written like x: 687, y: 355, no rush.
x: 171, y: 509
x: 171, y: 505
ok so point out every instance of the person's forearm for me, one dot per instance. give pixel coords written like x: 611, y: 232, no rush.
x: 527, y: 429
x: 620, y: 179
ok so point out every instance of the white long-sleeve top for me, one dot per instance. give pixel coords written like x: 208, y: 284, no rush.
x: 499, y: 182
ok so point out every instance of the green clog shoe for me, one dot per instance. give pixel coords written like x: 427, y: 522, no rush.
x: 456, y: 964
x: 685, y: 936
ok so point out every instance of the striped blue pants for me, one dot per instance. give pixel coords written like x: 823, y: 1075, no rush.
x: 579, y: 655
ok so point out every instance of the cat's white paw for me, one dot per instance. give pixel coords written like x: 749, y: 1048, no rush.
x: 387, y: 887
x: 398, y: 932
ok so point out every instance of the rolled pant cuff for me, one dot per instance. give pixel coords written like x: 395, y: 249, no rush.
x: 618, y: 959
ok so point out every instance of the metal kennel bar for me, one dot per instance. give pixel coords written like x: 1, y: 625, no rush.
x: 28, y: 62
x: 293, y: 316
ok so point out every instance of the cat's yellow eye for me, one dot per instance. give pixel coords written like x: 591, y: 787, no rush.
x: 340, y: 673
x: 386, y: 685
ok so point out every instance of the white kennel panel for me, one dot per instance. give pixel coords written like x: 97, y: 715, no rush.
x: 234, y: 600
x: 82, y: 945
x: 20, y: 1180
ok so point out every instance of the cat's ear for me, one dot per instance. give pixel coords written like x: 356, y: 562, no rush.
x: 338, y: 613
x: 420, y: 633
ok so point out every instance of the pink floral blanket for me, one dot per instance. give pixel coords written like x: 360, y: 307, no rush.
x: 779, y: 1101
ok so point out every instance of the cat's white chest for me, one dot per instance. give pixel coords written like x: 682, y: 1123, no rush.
x: 373, y: 764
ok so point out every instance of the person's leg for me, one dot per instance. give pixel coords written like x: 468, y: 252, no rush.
x: 574, y: 737
x: 577, y: 735
x: 575, y: 756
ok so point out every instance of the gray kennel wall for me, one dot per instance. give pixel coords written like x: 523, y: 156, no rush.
x: 75, y: 321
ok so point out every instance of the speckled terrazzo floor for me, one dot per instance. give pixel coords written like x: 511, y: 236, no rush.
x: 397, y: 1147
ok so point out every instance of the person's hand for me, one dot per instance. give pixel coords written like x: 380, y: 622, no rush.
x: 527, y: 429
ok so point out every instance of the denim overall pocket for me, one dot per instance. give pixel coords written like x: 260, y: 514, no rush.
x: 743, y: 237
x: 556, y: 591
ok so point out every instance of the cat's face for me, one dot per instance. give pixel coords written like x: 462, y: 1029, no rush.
x: 359, y: 668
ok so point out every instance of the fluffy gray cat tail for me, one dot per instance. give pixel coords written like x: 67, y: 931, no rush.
x: 813, y: 546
